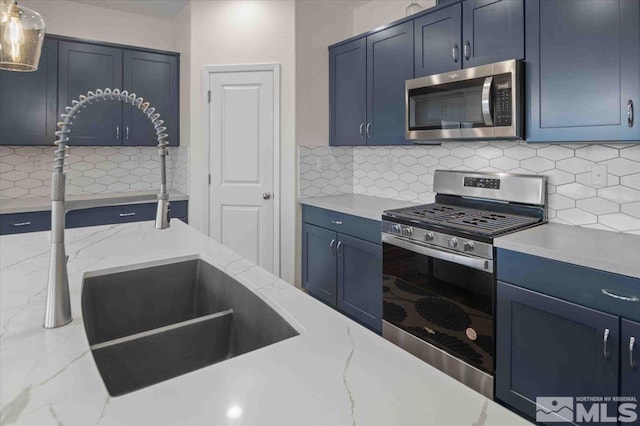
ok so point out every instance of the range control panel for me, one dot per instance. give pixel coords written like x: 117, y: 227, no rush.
x: 475, y: 182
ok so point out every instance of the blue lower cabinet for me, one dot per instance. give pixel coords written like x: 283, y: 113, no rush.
x: 19, y: 223
x: 630, y: 360
x: 121, y: 214
x: 319, y: 262
x: 547, y: 347
x: 360, y: 280
x: 343, y: 270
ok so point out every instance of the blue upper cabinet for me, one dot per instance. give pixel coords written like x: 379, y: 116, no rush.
x: 348, y: 93
x: 154, y: 77
x: 87, y: 67
x: 28, y: 102
x: 582, y: 70
x: 492, y: 31
x: 389, y: 65
x: 366, y: 87
x: 437, y: 41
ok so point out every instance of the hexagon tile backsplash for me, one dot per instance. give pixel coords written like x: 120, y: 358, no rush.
x: 26, y: 171
x: 406, y: 173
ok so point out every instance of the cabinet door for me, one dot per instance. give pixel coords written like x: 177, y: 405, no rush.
x: 319, y: 262
x: 437, y: 41
x: 492, y: 31
x: 582, y: 69
x: 83, y: 68
x: 154, y: 77
x: 348, y: 93
x: 630, y: 367
x: 28, y: 101
x: 547, y: 347
x: 360, y: 280
x: 389, y: 65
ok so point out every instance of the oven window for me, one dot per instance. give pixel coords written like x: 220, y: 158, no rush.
x: 446, y: 304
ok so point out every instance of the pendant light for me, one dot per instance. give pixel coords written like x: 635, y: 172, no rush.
x: 21, y: 37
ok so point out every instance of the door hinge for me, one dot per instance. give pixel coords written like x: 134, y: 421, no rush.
x: 209, y: 96
x: 209, y: 179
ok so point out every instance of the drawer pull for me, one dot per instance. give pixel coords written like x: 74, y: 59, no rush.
x: 21, y: 224
x: 632, y: 362
x: 127, y: 214
x: 605, y: 344
x: 336, y: 222
x: 617, y: 296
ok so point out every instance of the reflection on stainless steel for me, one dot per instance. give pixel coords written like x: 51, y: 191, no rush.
x: 476, y: 379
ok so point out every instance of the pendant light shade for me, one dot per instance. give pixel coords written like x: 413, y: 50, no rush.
x: 21, y: 37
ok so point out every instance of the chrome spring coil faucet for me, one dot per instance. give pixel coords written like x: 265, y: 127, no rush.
x: 58, y: 307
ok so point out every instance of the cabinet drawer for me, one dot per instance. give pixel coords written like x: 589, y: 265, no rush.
x: 354, y: 226
x: 178, y: 210
x: 19, y: 223
x: 110, y: 215
x: 573, y: 283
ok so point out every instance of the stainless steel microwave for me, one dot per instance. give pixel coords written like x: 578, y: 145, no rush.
x: 483, y: 102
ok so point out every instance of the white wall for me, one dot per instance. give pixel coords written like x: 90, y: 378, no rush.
x: 228, y: 32
x: 97, y: 23
x: 377, y: 13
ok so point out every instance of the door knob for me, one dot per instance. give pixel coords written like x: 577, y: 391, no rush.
x: 266, y: 195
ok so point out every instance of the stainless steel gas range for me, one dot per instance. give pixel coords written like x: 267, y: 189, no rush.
x: 439, y: 267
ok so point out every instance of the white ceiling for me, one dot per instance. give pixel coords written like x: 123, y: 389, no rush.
x: 165, y: 9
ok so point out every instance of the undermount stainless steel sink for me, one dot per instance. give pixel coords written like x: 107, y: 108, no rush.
x: 151, y: 324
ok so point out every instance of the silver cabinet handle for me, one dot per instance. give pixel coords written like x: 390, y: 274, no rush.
x: 630, y: 113
x: 332, y: 247
x: 127, y: 214
x: 369, y: 134
x: 117, y: 132
x: 616, y: 296
x: 336, y: 222
x: 486, y: 101
x: 266, y: 195
x: 360, y: 131
x: 338, y: 248
x: 21, y: 224
x: 467, y: 50
x: 605, y: 344
x: 455, y: 53
x: 632, y: 362
x: 127, y: 131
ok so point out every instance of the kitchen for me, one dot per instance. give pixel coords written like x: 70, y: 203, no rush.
x: 296, y: 35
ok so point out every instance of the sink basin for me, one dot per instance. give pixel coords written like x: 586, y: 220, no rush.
x: 151, y: 324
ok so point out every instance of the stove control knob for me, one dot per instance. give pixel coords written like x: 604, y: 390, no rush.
x: 428, y: 236
x: 407, y: 232
x: 453, y: 242
x: 396, y: 229
x: 468, y: 246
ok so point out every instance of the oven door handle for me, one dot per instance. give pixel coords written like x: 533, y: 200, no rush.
x: 486, y: 101
x: 472, y: 262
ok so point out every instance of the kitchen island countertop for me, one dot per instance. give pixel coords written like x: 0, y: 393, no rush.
x: 334, y: 373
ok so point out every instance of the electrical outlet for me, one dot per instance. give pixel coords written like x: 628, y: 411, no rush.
x: 39, y: 162
x: 139, y: 159
x: 599, y: 175
x: 389, y: 160
x: 322, y: 164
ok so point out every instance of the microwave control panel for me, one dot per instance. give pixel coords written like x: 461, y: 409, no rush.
x: 502, y: 100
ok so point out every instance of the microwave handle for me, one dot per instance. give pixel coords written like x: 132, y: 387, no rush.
x: 486, y: 101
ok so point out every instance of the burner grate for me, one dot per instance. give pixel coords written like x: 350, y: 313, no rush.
x: 483, y: 221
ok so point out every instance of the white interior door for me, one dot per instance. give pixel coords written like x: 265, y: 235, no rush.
x: 242, y: 191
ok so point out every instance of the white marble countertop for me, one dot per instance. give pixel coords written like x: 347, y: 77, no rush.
x: 37, y: 204
x: 334, y: 373
x: 366, y: 206
x: 593, y: 248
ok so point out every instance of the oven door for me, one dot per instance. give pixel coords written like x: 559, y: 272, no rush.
x: 440, y: 297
